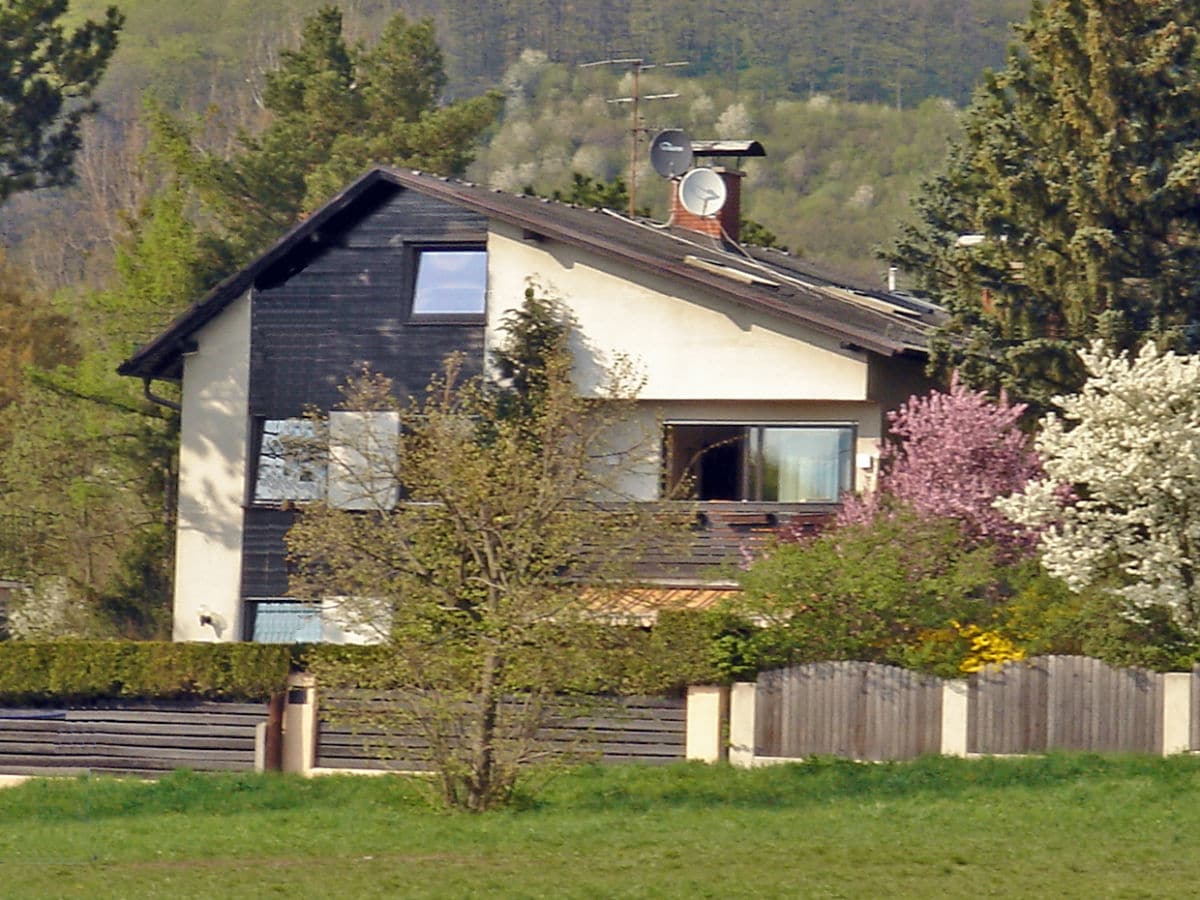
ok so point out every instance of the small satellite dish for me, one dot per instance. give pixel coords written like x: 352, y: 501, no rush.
x: 671, y: 153
x: 702, y: 192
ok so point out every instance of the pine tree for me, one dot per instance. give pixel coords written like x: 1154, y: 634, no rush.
x: 1067, y: 210
x: 46, y: 81
x: 335, y: 109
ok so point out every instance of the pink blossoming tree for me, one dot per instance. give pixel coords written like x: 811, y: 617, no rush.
x: 951, y: 455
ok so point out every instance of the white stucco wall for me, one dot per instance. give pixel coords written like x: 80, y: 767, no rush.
x: 212, y: 478
x: 693, y: 347
x: 702, y: 358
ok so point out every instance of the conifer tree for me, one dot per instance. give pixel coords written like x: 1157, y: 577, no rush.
x: 46, y: 81
x: 1067, y: 210
x: 335, y: 109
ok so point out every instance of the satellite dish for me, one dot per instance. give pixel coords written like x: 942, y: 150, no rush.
x: 671, y: 153
x: 702, y: 192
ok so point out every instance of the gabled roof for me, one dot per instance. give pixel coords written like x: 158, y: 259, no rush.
x: 883, y: 323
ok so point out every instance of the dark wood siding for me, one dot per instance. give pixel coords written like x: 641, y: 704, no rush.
x: 334, y: 304
x: 345, y: 301
x: 264, y: 554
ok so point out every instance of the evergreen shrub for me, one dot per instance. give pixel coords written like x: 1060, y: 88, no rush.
x: 72, y: 671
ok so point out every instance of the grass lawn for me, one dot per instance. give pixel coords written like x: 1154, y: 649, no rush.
x: 1059, y: 826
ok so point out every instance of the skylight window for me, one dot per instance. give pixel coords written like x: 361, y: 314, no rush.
x: 450, y: 283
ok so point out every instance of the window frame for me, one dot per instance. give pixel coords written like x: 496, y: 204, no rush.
x: 752, y: 467
x: 258, y: 426
x: 417, y: 317
x: 252, y: 605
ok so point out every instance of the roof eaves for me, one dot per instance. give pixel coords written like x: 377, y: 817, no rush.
x: 155, y: 359
x: 152, y: 359
x: 744, y: 295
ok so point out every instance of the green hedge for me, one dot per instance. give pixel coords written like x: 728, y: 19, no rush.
x: 38, y: 672
x: 684, y: 647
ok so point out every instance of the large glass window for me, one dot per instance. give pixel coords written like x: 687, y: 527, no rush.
x: 774, y: 463
x: 356, y: 469
x: 289, y: 466
x: 804, y: 464
x: 450, y: 282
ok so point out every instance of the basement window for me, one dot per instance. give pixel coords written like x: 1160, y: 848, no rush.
x: 284, y: 622
x: 450, y: 283
x: 770, y: 463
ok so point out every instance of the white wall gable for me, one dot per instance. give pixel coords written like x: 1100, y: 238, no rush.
x: 212, y: 478
x: 692, y: 345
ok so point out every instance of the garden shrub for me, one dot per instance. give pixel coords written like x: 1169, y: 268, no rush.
x: 69, y: 671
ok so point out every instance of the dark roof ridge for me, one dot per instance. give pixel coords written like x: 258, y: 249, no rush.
x: 612, y: 233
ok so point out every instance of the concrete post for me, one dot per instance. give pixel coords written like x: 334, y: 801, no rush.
x: 260, y: 747
x: 707, y: 713
x: 1177, y: 713
x: 955, y: 703
x: 742, y: 699
x: 300, y: 724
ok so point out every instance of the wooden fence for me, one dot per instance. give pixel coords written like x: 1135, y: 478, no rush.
x: 858, y: 710
x: 853, y: 709
x: 610, y: 730
x: 874, y: 712
x: 130, y: 738
x: 1065, y: 703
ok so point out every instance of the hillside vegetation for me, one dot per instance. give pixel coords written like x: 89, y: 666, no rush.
x: 836, y: 178
x: 893, y: 51
x: 854, y: 102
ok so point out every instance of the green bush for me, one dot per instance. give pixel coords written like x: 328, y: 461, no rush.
x: 871, y: 591
x: 1047, y: 617
x: 684, y: 647
x: 73, y: 670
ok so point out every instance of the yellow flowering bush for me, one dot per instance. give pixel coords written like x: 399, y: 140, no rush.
x: 957, y: 649
x: 987, y: 648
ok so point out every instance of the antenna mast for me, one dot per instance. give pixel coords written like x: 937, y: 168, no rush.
x: 637, y: 65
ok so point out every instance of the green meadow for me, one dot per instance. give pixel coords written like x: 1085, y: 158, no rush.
x: 1061, y: 826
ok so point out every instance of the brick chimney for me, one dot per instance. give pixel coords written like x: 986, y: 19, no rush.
x: 728, y: 218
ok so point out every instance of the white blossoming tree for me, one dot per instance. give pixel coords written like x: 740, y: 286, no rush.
x: 1120, y: 499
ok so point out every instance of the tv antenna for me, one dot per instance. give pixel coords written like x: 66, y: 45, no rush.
x: 637, y: 65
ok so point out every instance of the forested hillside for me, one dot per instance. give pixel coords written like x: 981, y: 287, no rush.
x: 837, y: 177
x: 854, y: 101
x: 889, y: 51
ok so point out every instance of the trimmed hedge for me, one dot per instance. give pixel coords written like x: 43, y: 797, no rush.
x: 684, y: 647
x: 70, y: 671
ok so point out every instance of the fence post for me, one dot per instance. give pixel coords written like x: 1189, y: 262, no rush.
x: 742, y: 700
x: 955, y: 702
x: 300, y: 724
x: 707, y: 714
x: 1177, y: 713
x: 268, y: 736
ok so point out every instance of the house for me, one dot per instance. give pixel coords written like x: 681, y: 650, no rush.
x: 783, y: 374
